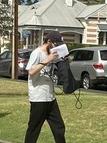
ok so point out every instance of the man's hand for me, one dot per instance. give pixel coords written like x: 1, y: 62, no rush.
x: 51, y: 57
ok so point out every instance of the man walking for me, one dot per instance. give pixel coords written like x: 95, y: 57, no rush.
x: 43, y: 104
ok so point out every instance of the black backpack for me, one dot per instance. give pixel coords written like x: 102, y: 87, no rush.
x: 65, y: 77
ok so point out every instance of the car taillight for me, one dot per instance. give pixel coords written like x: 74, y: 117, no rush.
x: 98, y: 66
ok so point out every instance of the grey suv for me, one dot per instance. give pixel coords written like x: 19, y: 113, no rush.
x: 89, y: 65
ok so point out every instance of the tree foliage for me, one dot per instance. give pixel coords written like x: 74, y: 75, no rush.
x: 27, y: 2
x: 5, y: 19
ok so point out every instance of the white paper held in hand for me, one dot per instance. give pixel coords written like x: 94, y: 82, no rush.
x: 62, y: 50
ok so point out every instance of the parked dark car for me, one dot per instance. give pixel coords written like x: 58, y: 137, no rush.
x: 6, y: 62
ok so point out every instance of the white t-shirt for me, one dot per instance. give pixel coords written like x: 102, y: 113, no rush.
x: 40, y: 85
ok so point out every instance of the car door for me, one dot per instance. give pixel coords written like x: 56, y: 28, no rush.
x: 76, y: 63
x: 82, y: 63
x: 5, y: 62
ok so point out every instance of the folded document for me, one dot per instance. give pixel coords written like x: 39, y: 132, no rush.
x: 62, y: 50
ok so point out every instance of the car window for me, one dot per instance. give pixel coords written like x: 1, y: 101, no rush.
x: 103, y: 54
x: 3, y: 55
x: 25, y: 55
x: 9, y: 55
x: 72, y: 55
x: 84, y: 55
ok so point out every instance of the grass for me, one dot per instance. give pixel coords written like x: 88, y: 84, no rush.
x: 85, y: 125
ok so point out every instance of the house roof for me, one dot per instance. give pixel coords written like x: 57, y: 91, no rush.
x: 51, y: 13
x: 92, y: 11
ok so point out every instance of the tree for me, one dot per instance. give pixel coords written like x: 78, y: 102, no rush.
x: 5, y: 20
x: 27, y: 2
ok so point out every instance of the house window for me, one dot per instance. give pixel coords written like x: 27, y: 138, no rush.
x: 101, y: 35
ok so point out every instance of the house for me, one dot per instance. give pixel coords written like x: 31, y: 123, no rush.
x: 94, y: 19
x: 44, y: 16
x: 77, y: 22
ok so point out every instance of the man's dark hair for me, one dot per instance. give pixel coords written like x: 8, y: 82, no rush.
x: 54, y: 37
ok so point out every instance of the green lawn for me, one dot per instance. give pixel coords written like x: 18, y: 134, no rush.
x: 85, y: 125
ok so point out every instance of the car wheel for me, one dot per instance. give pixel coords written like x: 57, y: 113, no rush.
x: 86, y: 81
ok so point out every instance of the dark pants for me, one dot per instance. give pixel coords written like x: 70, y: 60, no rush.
x: 41, y: 111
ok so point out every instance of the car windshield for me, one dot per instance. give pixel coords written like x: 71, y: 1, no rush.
x: 103, y: 54
x: 25, y: 55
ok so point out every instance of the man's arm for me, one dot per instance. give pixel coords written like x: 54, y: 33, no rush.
x: 37, y: 68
